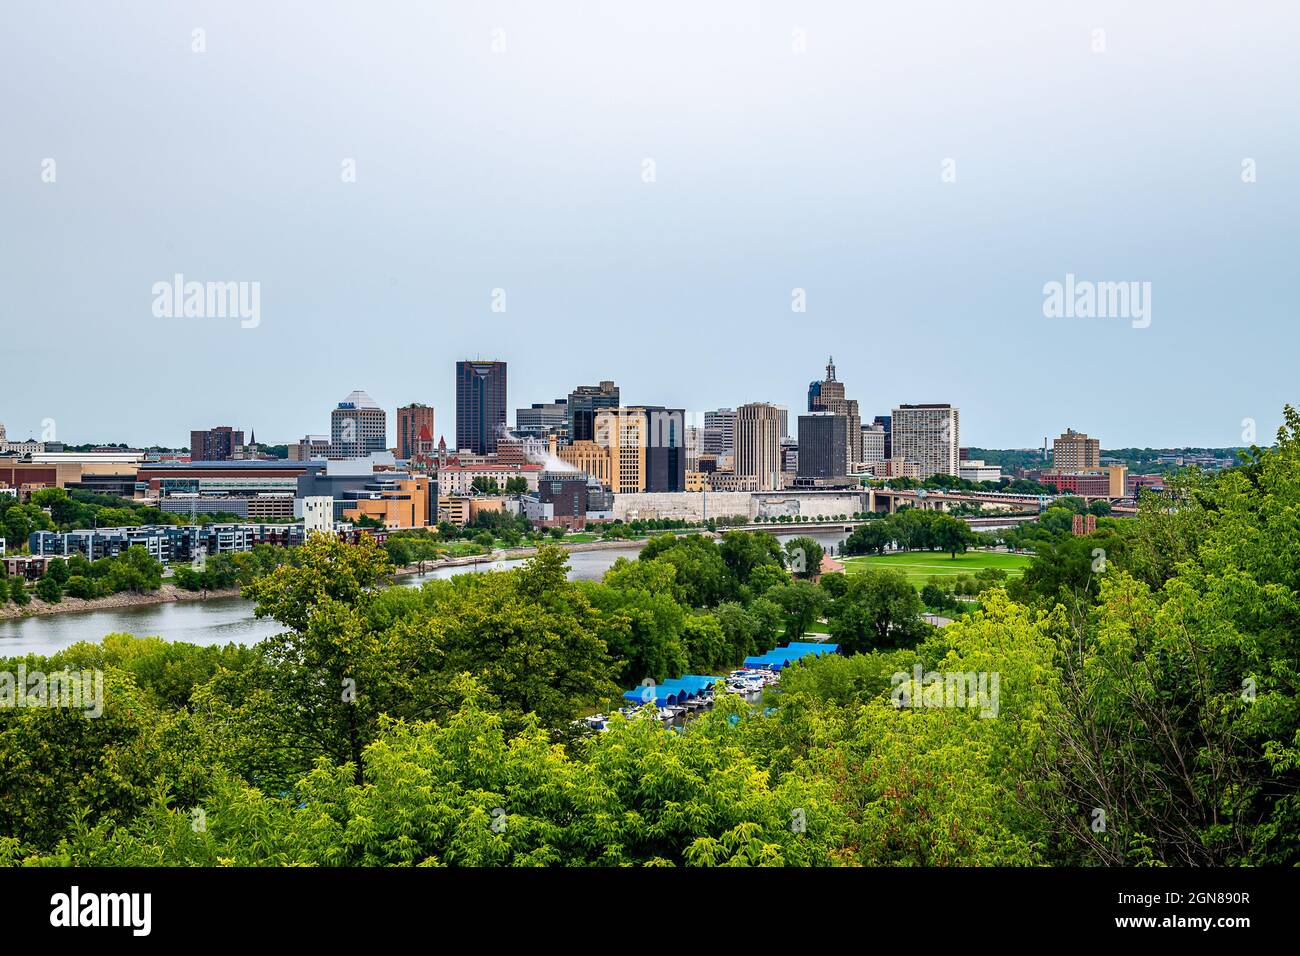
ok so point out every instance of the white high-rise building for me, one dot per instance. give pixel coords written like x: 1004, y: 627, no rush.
x: 719, y: 432
x: 358, y: 426
x: 873, y: 444
x: 929, y: 436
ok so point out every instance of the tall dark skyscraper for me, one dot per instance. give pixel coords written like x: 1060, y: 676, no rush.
x: 665, y: 454
x: 823, y: 445
x: 828, y: 396
x: 480, y: 406
x: 584, y: 402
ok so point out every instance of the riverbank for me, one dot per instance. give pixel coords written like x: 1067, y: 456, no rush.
x: 170, y: 593
x: 166, y: 594
x: 519, y: 554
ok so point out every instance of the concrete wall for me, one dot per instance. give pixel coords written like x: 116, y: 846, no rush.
x: 690, y: 505
x: 809, y: 504
x: 686, y: 505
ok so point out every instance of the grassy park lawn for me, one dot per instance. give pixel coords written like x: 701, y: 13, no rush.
x: 920, y: 566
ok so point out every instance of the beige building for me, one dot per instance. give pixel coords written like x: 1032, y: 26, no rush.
x: 623, y: 433
x: 1075, y: 451
x: 758, y: 445
x: 589, y: 458
x: 929, y: 436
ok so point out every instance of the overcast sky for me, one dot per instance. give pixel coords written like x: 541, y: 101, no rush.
x: 794, y: 146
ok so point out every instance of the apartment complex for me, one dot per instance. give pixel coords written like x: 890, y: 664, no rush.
x: 929, y: 436
x: 216, y: 444
x: 1075, y: 451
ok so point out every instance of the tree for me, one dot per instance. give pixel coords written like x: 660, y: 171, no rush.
x: 702, y: 578
x: 58, y: 570
x: 801, y: 601
x: 880, y: 609
x: 18, y: 592
x: 870, y: 538
x: 934, y: 597
x: 48, y: 590
x: 804, y: 556
x: 645, y: 623
x: 950, y: 534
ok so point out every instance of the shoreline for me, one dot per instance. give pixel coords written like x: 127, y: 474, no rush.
x: 170, y: 593
x: 167, y: 594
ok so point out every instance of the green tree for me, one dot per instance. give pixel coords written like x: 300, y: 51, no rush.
x: 804, y: 557
x: 880, y: 609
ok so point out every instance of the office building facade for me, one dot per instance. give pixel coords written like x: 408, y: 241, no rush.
x: 758, y: 445
x: 583, y: 405
x: 823, y: 446
x: 358, y: 426
x: 480, y: 406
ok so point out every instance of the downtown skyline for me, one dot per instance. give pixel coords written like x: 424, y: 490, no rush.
x: 921, y: 211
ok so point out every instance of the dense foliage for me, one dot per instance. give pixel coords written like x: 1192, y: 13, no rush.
x: 1143, y: 711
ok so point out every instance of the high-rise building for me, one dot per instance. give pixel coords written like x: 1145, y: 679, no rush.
x: 358, y: 427
x: 929, y: 436
x: 216, y: 444
x: 543, y: 419
x: 1075, y: 451
x: 828, y: 396
x: 758, y: 445
x: 784, y: 414
x: 589, y: 457
x: 584, y: 403
x: 873, y: 444
x: 790, y: 455
x: 647, y: 447
x: 666, y: 453
x: 719, y: 432
x: 823, y: 446
x: 623, y: 432
x: 884, y: 422
x: 410, y: 419
x: 480, y: 406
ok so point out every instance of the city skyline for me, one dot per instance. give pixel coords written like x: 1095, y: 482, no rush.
x: 694, y: 416
x: 678, y: 218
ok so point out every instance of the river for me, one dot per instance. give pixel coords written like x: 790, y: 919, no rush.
x: 227, y: 620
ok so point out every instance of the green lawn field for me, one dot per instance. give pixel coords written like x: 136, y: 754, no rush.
x: 919, y: 566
